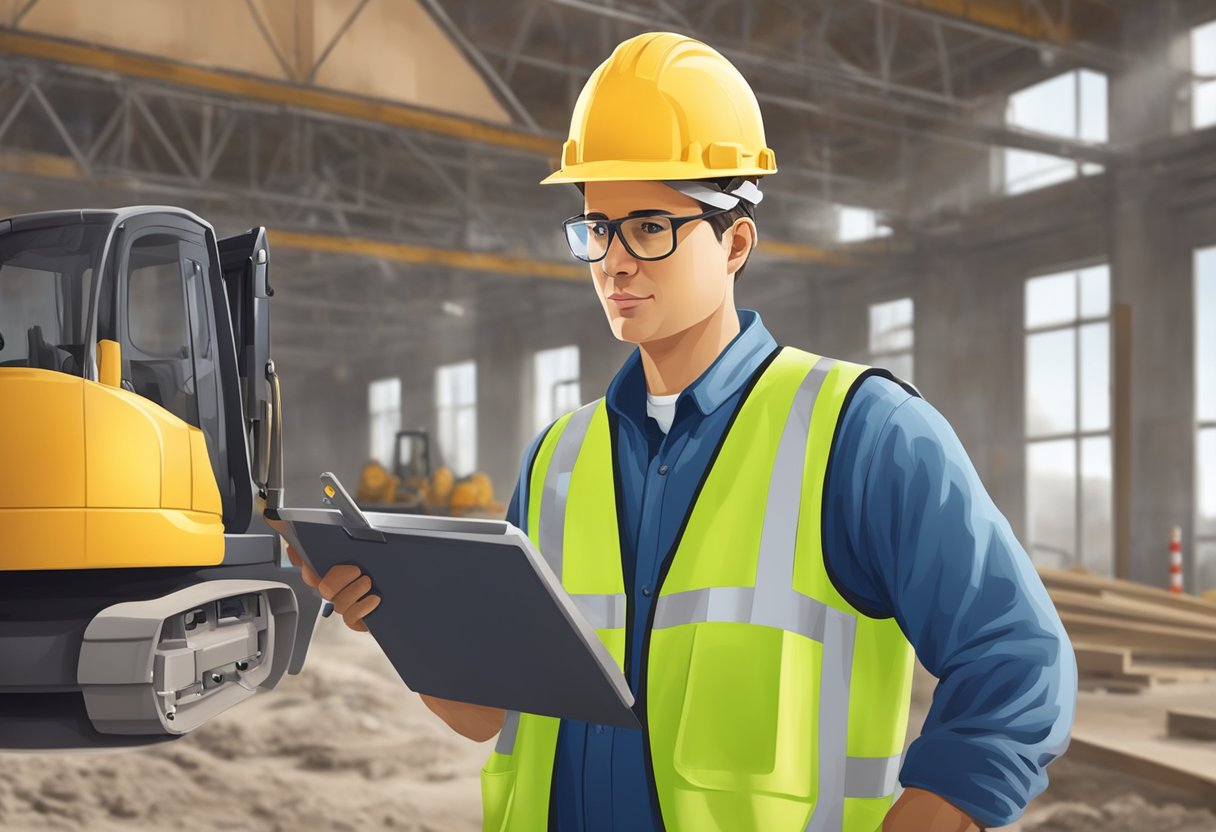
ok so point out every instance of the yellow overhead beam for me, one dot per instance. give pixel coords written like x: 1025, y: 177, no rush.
x: 426, y: 255
x: 799, y: 251
x: 1007, y: 15
x: 274, y: 92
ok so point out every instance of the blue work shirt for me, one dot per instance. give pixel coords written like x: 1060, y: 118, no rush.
x: 908, y: 531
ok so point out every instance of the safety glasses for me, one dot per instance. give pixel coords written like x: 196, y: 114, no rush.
x: 645, y: 238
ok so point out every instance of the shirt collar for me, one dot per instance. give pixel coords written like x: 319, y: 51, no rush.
x: 720, y: 381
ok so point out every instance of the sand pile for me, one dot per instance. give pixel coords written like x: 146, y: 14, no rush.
x: 345, y: 746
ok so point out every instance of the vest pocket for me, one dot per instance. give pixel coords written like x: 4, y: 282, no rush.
x: 748, y: 720
x: 496, y: 789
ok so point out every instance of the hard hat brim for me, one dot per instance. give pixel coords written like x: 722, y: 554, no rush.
x: 657, y: 171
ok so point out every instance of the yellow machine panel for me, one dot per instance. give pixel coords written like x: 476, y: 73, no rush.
x: 123, y: 450
x: 41, y: 439
x: 116, y: 538
x: 41, y: 538
x: 100, y: 477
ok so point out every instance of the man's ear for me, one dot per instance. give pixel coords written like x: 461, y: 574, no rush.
x: 739, y: 240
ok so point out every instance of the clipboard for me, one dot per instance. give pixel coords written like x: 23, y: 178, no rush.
x: 470, y: 610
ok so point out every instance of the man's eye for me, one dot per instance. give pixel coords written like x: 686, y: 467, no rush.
x: 652, y: 228
x: 599, y: 229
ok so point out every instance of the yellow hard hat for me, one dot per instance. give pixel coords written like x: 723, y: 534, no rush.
x: 664, y: 107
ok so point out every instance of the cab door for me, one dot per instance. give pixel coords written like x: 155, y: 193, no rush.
x: 148, y: 444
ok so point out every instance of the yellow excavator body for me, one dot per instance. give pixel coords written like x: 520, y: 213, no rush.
x: 97, y: 477
x: 140, y: 445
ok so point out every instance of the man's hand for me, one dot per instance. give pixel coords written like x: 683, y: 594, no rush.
x: 920, y: 811
x: 345, y: 586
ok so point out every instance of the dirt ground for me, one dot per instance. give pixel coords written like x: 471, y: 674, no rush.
x: 345, y: 746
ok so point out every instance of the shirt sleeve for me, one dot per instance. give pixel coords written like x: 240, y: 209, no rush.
x: 922, y: 541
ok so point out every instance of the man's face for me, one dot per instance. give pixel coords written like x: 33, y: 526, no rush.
x: 647, y: 300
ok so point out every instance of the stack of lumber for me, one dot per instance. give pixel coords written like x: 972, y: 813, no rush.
x: 1129, y: 636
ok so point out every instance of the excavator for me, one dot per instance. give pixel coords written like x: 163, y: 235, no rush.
x: 142, y: 593
x: 412, y: 486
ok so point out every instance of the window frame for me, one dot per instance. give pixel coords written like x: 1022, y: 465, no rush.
x: 454, y: 411
x: 1080, y: 169
x: 373, y: 417
x: 910, y: 351
x: 1202, y: 540
x: 1079, y: 433
x: 539, y: 422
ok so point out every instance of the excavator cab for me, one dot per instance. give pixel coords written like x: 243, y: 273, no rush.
x: 141, y: 593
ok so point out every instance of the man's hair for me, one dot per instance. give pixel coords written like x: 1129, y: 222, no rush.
x: 720, y: 222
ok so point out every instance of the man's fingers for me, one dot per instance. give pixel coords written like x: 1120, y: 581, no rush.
x: 345, y: 599
x: 336, y: 579
x: 354, y: 616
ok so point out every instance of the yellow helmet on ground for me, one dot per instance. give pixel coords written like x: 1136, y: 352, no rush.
x: 664, y: 107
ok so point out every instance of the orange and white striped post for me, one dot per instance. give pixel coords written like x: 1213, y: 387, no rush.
x: 1176, y: 559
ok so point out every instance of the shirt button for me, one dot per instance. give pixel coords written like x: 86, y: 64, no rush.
x: 646, y: 590
x: 662, y: 470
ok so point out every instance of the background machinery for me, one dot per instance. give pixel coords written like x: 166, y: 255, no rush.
x: 141, y: 593
x: 412, y: 486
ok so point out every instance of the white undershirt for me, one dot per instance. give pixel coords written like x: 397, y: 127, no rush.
x: 662, y: 409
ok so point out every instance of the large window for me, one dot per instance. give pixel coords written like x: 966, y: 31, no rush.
x: 456, y: 414
x: 1203, y: 68
x: 1068, y: 406
x: 384, y: 418
x: 892, y: 336
x: 855, y: 224
x: 1072, y: 106
x: 1205, y: 410
x: 555, y: 385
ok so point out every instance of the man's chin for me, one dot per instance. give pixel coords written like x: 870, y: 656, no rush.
x: 634, y: 330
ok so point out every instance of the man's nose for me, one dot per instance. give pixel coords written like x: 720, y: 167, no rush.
x: 618, y: 262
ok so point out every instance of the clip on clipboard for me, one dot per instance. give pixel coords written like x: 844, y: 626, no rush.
x: 470, y: 611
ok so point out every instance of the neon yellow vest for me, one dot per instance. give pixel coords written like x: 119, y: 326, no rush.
x: 771, y: 704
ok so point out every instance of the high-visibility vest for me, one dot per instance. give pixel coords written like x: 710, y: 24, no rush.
x: 769, y: 702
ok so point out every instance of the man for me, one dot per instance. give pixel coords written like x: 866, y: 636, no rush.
x: 761, y: 536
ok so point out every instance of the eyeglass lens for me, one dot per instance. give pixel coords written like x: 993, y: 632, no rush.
x: 645, y: 237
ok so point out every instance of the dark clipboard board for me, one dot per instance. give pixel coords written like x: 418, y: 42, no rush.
x: 470, y: 611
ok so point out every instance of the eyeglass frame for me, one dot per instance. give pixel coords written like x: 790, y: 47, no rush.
x: 614, y: 229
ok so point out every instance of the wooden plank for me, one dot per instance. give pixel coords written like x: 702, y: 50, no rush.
x: 1094, y: 584
x: 1097, y: 660
x: 1142, y: 637
x: 1122, y: 608
x: 1199, y: 725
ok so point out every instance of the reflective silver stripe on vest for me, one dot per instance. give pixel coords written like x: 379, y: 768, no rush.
x: 506, y: 737
x: 776, y: 603
x: 798, y: 613
x: 715, y: 603
x: 557, y: 487
x: 871, y: 776
x: 839, y: 633
x: 603, y: 612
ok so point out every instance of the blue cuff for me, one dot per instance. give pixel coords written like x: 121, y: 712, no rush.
x: 994, y: 793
